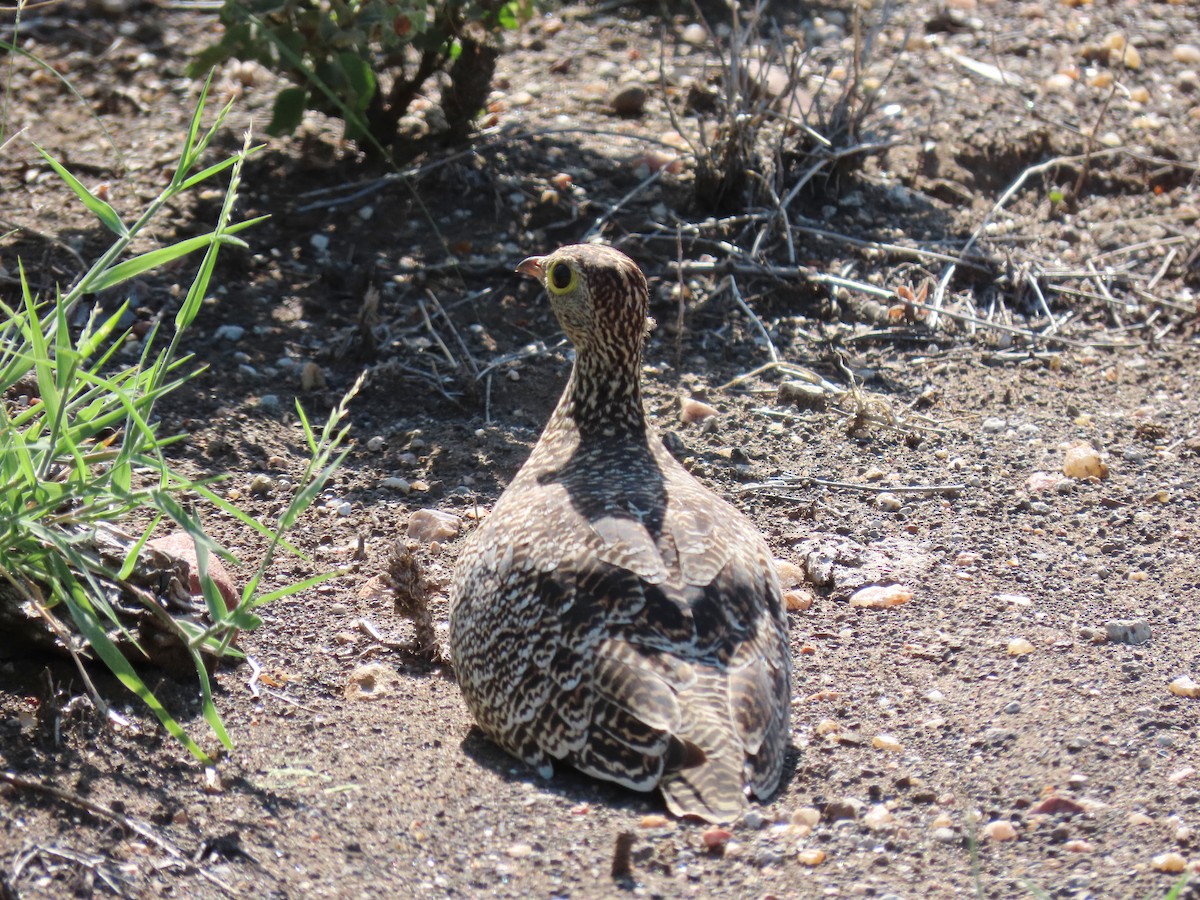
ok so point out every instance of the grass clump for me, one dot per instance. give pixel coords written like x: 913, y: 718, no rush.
x: 82, y: 460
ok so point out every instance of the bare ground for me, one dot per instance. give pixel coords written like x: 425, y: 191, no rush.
x: 916, y: 728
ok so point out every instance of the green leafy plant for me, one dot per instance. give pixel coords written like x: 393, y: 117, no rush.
x: 82, y: 459
x: 365, y: 61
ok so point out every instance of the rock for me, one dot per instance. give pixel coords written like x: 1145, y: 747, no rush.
x: 716, y: 838
x: 427, y: 525
x: 1183, y: 686
x: 810, y: 857
x: 376, y: 443
x: 1083, y: 461
x: 629, y: 101
x: 312, y: 377
x: 803, y: 395
x: 653, y: 821
x: 1169, y: 862
x: 396, y: 483
x: 807, y: 816
x: 881, y: 596
x: 798, y: 599
x: 229, y: 332
x: 993, y: 425
x: 1127, y: 631
x: 1019, y: 647
x: 179, y: 545
x: 370, y: 682
x: 888, y: 502
x: 790, y: 575
x: 848, y: 808
x: 887, y: 742
x: 945, y: 835
x: 692, y: 411
x: 1186, y: 53
x: 261, y: 485
x: 1000, y: 830
x: 879, y: 818
x: 1056, y: 805
x: 695, y: 34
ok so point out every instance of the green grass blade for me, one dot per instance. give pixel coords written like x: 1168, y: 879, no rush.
x: 102, y: 210
x: 153, y: 259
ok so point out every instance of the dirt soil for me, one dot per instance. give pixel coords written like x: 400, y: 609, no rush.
x: 1011, y: 728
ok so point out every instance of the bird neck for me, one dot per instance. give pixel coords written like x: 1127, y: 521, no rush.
x: 603, y: 397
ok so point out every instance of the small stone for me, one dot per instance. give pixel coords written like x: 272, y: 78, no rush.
x: 260, y: 485
x: 715, y: 838
x: 692, y: 411
x: 811, y: 857
x: 433, y: 525
x: 319, y: 242
x: 1019, y: 647
x: 1183, y: 686
x: 695, y: 34
x: 370, y: 682
x: 881, y: 596
x: 1140, y: 818
x: 993, y: 425
x: 653, y: 821
x: 312, y: 377
x: 879, y: 818
x: 1056, y: 805
x: 888, y: 502
x: 1179, y: 776
x: 376, y: 443
x: 1169, y: 862
x: 1083, y: 461
x: 519, y: 851
x: 1077, y: 846
x: 229, y: 332
x: 798, y: 599
x: 344, y: 508
x: 754, y: 819
x: 1127, y: 631
x: 1000, y: 830
x: 806, y: 816
x: 630, y: 101
x: 850, y: 808
x: 887, y: 742
x: 1012, y: 708
x: 396, y: 483
x: 944, y: 835
x: 212, y: 781
x: 1186, y: 53
x: 803, y: 395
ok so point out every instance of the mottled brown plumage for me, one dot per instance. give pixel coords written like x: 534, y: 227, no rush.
x: 611, y: 613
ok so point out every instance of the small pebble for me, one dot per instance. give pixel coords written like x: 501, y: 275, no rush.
x: 945, y: 835
x: 879, y: 818
x: 229, y: 332
x: 1186, y: 53
x: 653, y: 821
x: 1183, y: 686
x: 630, y: 101
x: 993, y: 425
x: 811, y: 857
x: 695, y: 34
x: 519, y: 851
x: 881, y: 596
x: 370, y: 682
x: 1169, y: 862
x: 887, y: 742
x: 715, y: 838
x: 1000, y: 830
x: 692, y: 411
x: 344, y: 508
x: 1127, y: 631
x: 433, y: 525
x: 1077, y: 846
x: 1179, y: 776
x: 1019, y: 647
x: 1012, y: 708
x: 888, y: 502
x: 397, y: 484
x: 754, y: 819
x: 806, y: 815
x: 798, y: 599
x: 319, y: 242
x: 376, y: 443
x: 312, y: 377
x: 1083, y: 461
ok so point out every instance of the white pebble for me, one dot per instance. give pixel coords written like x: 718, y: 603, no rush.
x: 993, y: 425
x: 1000, y: 830
x: 375, y: 444
x: 888, y: 501
x: 695, y: 34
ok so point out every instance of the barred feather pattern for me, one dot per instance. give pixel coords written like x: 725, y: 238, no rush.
x: 611, y: 613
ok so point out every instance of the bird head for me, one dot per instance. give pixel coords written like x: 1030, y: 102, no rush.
x: 598, y: 294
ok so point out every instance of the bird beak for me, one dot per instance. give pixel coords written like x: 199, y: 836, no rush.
x: 532, y: 267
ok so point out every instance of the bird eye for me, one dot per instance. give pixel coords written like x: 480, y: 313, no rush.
x: 560, y: 278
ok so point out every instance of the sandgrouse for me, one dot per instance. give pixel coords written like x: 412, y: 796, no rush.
x: 612, y: 613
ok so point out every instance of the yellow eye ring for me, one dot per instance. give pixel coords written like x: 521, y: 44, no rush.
x: 561, y: 278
